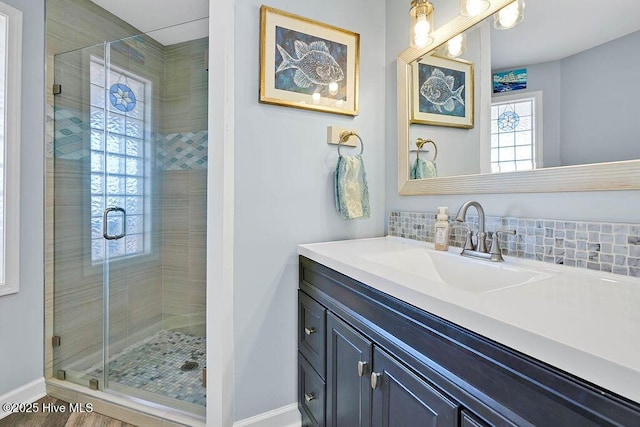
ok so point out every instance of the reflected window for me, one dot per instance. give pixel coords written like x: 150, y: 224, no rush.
x: 514, y: 145
x: 119, y: 160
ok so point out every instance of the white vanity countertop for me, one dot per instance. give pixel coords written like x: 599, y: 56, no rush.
x: 584, y: 322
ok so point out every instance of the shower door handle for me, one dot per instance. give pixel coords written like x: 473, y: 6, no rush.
x: 105, y: 216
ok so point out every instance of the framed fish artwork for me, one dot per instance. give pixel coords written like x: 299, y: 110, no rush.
x: 442, y: 92
x: 308, y: 64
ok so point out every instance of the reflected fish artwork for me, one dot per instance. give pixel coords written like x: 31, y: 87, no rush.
x: 439, y: 91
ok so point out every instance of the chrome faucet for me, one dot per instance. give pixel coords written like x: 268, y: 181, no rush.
x: 481, y: 238
x: 479, y: 250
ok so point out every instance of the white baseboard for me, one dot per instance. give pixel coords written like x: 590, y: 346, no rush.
x: 28, y: 393
x: 287, y: 416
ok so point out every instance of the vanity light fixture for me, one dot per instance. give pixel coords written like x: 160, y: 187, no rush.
x: 509, y: 16
x: 421, y: 23
x: 473, y: 7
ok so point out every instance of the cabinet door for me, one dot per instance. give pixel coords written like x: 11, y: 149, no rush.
x: 348, y: 370
x: 468, y: 420
x: 403, y: 399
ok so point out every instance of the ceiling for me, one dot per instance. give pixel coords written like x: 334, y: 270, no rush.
x: 579, y: 24
x: 167, y: 21
x: 555, y: 29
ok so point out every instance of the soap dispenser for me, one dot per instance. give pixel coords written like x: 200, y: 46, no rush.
x: 442, y: 230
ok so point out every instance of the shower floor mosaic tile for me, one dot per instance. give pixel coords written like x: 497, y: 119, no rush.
x: 155, y: 366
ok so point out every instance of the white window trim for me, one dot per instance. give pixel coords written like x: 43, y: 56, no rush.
x: 13, y: 93
x: 537, y: 130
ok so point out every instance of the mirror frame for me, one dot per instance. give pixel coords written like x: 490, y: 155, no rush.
x: 621, y: 175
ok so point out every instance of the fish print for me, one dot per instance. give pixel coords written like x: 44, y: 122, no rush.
x: 314, y: 64
x: 438, y: 90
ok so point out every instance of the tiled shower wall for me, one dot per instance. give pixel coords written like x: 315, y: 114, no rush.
x: 181, y: 157
x: 602, y: 246
x: 184, y: 201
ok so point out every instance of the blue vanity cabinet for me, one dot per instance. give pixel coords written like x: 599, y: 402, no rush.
x: 468, y: 420
x: 402, y: 398
x: 349, y: 358
x: 311, y: 360
x: 391, y: 364
x: 389, y: 395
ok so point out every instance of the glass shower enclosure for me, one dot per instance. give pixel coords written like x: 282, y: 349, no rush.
x: 130, y: 166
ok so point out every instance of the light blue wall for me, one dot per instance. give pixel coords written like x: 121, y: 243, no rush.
x: 21, y: 314
x: 284, y: 195
x: 602, y: 84
x: 587, y: 96
x: 610, y: 205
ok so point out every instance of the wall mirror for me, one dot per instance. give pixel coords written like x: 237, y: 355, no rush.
x: 584, y: 127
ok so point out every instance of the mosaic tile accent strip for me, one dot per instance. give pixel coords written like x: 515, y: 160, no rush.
x: 175, y: 151
x: 602, y: 246
x: 180, y: 151
x: 154, y: 366
x: 69, y: 134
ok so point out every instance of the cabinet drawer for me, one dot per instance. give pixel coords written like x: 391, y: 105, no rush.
x: 312, y: 332
x: 311, y: 394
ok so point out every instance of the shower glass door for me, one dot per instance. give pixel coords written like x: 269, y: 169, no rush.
x: 130, y: 170
x: 78, y: 353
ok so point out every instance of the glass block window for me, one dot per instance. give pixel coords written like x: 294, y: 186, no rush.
x: 513, y: 134
x: 119, y: 160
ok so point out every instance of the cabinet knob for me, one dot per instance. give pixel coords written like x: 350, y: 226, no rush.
x: 375, y: 380
x: 309, y: 397
x: 362, y: 368
x: 310, y: 330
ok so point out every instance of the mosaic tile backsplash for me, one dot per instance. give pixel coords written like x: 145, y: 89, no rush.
x: 602, y: 246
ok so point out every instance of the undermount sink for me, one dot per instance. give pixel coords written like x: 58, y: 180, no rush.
x: 476, y: 276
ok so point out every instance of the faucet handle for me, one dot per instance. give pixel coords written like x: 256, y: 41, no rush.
x: 468, y: 243
x: 513, y: 232
x: 495, y: 242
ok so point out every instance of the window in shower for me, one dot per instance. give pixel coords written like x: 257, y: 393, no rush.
x: 10, y: 93
x: 120, y: 162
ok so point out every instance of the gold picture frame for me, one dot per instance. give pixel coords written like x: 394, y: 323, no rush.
x: 308, y: 64
x: 442, y: 92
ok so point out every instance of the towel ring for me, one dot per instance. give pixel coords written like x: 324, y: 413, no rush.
x: 344, y: 136
x: 420, y: 142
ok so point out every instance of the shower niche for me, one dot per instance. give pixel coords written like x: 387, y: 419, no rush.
x: 128, y: 176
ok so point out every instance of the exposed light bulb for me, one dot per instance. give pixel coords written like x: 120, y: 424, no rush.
x: 315, y: 97
x: 422, y: 27
x: 454, y: 46
x: 421, y: 23
x: 509, y: 16
x: 474, y: 7
x: 333, y: 88
x: 421, y: 32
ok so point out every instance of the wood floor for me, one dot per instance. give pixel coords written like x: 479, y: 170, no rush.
x: 47, y: 417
